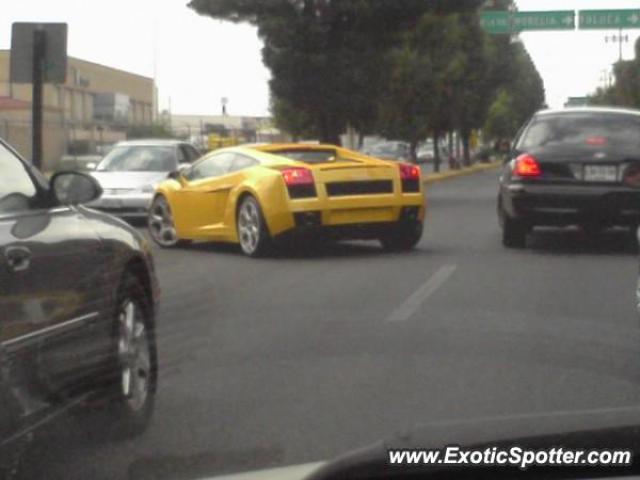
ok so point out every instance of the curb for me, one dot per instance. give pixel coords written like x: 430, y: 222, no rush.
x: 438, y: 177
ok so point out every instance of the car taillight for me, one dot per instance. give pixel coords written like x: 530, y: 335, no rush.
x: 597, y: 141
x: 297, y: 176
x: 527, y: 166
x: 409, y: 172
x: 631, y: 175
x: 299, y: 182
x: 409, y: 177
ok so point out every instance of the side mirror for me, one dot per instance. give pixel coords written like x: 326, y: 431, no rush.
x: 74, y: 188
x: 183, y: 168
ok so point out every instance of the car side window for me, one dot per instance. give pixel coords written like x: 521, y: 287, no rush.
x: 182, y: 157
x: 240, y: 162
x: 16, y: 187
x: 211, y: 166
x: 193, y: 152
x: 189, y: 153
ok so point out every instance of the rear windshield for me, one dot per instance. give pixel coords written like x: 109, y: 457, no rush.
x: 588, y: 128
x: 309, y: 156
x: 143, y: 158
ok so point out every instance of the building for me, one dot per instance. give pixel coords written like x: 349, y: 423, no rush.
x: 96, y: 105
x: 245, y: 129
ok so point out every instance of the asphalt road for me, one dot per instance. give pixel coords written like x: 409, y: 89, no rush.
x: 302, y: 357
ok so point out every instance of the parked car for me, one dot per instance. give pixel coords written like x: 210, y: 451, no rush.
x: 254, y: 196
x: 391, y: 150
x: 78, y: 295
x: 131, y: 170
x: 426, y: 152
x: 572, y: 167
x: 78, y: 163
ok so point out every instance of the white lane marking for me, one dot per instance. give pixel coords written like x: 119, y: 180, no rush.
x: 417, y: 298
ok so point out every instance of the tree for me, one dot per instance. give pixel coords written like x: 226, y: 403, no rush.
x: 520, y: 95
x: 414, y: 101
x: 289, y: 119
x: 325, y: 56
x: 502, y: 121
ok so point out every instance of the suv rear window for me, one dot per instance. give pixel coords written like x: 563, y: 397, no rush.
x: 582, y: 128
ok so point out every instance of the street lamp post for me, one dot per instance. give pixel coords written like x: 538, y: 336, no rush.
x: 619, y: 38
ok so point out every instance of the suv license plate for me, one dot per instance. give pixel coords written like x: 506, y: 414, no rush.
x: 600, y: 173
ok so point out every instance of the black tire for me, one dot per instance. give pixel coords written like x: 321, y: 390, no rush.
x: 403, y: 238
x: 129, y: 413
x: 253, y: 234
x: 514, y: 233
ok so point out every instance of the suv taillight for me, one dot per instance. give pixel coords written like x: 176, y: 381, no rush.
x: 410, y: 177
x: 526, y: 166
x: 299, y: 182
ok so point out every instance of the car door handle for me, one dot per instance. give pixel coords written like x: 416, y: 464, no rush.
x: 18, y: 258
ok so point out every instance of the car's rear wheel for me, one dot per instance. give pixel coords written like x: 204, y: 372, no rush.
x: 134, y: 388
x: 402, y: 238
x: 162, y: 228
x: 514, y: 233
x: 253, y: 234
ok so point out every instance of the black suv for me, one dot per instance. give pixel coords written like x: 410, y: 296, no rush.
x: 78, y: 295
x: 577, y: 166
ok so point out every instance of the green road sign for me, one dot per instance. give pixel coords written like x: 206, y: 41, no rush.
x: 609, y: 19
x: 514, y: 22
x: 496, y: 22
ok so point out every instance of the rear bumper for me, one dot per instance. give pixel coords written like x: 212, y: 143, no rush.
x: 308, y: 226
x: 571, y: 204
x: 346, y: 214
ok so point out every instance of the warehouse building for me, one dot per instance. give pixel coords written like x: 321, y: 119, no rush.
x: 96, y: 105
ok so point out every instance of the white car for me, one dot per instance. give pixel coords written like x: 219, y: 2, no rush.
x: 129, y: 173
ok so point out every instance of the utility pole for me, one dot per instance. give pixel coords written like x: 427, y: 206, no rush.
x: 620, y: 45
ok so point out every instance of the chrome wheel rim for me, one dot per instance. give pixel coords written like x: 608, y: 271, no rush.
x: 249, y: 227
x: 161, y: 224
x: 134, y: 354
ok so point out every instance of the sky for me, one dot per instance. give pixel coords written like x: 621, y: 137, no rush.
x: 197, y: 60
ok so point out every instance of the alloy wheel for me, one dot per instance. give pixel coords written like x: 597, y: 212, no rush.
x: 249, y: 227
x: 134, y: 353
x: 161, y: 225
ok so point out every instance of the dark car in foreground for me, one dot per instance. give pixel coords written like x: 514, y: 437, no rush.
x: 576, y: 166
x: 78, y: 295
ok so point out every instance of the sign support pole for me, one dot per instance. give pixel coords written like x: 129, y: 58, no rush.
x: 39, y: 48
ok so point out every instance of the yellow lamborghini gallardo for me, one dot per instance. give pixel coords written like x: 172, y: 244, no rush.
x: 259, y: 194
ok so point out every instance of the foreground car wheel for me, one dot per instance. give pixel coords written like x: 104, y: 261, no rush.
x: 514, y: 233
x: 161, y: 226
x: 252, y: 229
x: 137, y: 363
x: 404, y: 238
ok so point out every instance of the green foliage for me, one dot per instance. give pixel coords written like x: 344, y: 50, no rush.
x: 625, y: 92
x: 406, y: 68
x: 289, y: 119
x: 417, y: 94
x: 520, y: 95
x: 502, y: 121
x: 156, y: 130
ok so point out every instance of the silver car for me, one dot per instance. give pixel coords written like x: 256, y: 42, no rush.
x: 130, y: 172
